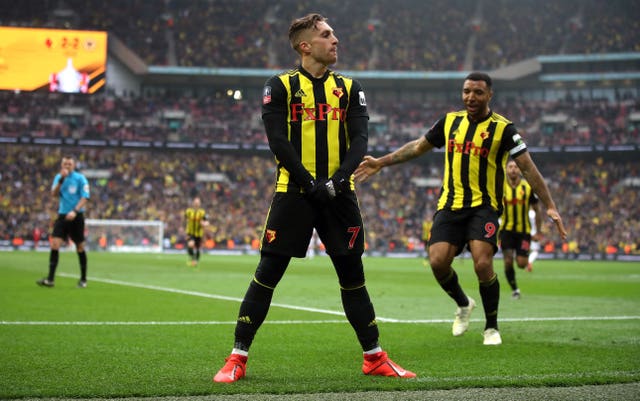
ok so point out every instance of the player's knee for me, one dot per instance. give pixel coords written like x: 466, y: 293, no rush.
x: 271, y: 268
x: 483, y: 265
x: 439, y: 263
x: 522, y: 261
x: 350, y: 271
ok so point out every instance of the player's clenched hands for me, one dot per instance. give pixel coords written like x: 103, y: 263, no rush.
x: 368, y: 167
x: 555, y: 217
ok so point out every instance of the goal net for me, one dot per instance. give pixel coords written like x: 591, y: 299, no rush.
x: 124, y: 235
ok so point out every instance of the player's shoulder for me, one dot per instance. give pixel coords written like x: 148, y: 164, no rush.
x: 338, y: 76
x: 78, y: 175
x: 499, y: 118
x: 279, y: 77
x: 286, y: 73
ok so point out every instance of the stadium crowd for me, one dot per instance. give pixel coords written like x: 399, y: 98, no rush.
x: 597, y: 197
x: 215, y: 120
x: 399, y: 35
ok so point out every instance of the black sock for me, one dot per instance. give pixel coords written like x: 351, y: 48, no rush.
x: 359, y: 310
x: 190, y: 252
x: 197, y: 254
x: 82, y: 256
x: 54, y: 255
x: 452, y: 287
x: 253, y: 311
x: 511, y: 277
x: 490, y: 293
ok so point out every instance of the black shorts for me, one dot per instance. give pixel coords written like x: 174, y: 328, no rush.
x: 460, y: 226
x: 66, y: 229
x: 196, y: 240
x: 521, y: 242
x: 292, y: 218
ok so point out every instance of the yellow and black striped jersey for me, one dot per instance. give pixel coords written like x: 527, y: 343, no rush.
x: 517, y: 201
x: 475, y: 157
x: 315, y: 125
x: 194, y: 218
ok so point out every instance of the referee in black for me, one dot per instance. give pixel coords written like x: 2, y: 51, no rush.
x: 316, y: 124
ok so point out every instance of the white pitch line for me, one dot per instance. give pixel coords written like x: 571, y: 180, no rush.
x: 211, y: 296
x: 304, y: 308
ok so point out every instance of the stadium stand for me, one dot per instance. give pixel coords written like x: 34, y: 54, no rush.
x: 211, y: 120
x: 596, y: 190
x: 599, y: 203
x: 381, y: 35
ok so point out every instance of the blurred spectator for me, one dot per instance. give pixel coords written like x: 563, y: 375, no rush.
x: 399, y: 35
x: 599, y: 206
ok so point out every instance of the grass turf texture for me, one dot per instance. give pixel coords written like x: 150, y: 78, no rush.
x: 149, y: 326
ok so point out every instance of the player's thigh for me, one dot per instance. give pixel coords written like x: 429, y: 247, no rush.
x: 482, y: 225
x: 447, y: 236
x: 340, y: 226
x: 289, y: 225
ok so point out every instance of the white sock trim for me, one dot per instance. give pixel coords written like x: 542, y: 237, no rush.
x: 239, y: 352
x: 373, y: 351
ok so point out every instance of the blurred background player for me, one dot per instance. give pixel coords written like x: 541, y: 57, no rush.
x: 515, y: 228
x: 72, y: 190
x: 536, y: 236
x: 196, y: 220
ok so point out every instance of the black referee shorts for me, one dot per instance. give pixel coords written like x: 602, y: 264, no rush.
x: 292, y: 218
x: 66, y: 229
x: 460, y: 226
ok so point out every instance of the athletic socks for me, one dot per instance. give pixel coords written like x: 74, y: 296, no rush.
x: 490, y: 293
x: 82, y: 257
x: 359, y: 311
x: 54, y: 256
x: 452, y: 287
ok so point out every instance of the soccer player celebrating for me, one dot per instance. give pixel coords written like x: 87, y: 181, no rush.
x: 196, y: 220
x: 477, y: 144
x: 72, y: 190
x: 316, y: 124
x: 515, y: 229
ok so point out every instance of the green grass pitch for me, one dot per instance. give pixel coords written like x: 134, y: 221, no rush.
x: 149, y: 326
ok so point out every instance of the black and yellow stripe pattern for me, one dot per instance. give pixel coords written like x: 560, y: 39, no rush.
x: 194, y: 219
x: 474, y: 162
x: 316, y: 123
x: 517, y: 201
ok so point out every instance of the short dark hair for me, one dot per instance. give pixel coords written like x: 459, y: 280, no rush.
x: 298, y: 25
x: 480, y: 76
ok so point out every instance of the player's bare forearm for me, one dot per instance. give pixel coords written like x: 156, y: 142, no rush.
x: 532, y: 175
x: 410, y: 150
x: 535, y: 179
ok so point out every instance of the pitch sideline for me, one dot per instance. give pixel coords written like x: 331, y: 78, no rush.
x: 286, y: 306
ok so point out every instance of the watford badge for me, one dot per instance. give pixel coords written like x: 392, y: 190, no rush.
x: 338, y: 92
x: 270, y: 235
